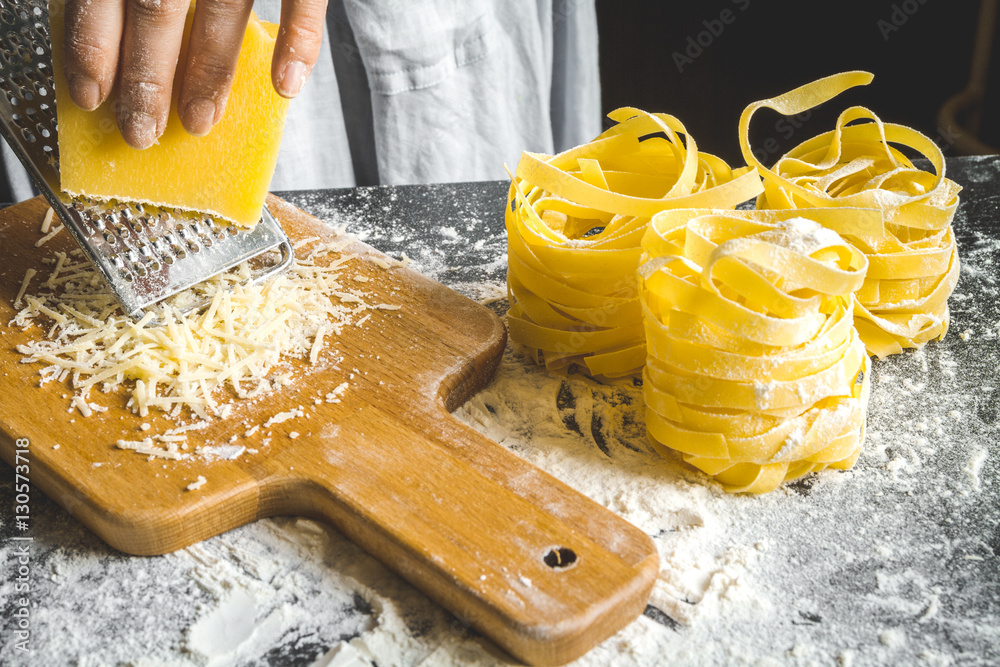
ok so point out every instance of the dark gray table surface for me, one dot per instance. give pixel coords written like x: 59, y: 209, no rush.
x: 943, y: 536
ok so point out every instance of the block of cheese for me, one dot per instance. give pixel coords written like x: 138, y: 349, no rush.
x: 225, y: 173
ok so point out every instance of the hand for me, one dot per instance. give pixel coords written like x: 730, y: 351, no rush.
x: 139, y: 42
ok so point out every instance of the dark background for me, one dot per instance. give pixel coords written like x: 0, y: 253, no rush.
x: 772, y: 47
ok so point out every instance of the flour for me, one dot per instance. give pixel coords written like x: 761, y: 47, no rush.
x: 974, y: 467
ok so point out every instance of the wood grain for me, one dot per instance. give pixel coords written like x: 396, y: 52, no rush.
x: 457, y: 515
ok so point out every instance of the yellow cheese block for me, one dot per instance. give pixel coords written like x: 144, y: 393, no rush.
x: 225, y: 173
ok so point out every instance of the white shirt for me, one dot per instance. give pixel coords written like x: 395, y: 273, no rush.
x: 420, y: 91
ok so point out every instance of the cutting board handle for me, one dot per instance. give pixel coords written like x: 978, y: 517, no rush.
x: 517, y: 554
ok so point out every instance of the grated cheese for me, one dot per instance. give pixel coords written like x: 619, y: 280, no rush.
x: 338, y: 391
x: 81, y: 405
x: 317, y: 345
x: 48, y: 237
x: 47, y: 220
x: 60, y: 260
x: 184, y: 366
x: 283, y: 417
x: 28, y: 275
x: 191, y: 357
x: 147, y: 447
x: 197, y: 484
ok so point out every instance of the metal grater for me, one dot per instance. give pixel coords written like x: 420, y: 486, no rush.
x: 146, y: 253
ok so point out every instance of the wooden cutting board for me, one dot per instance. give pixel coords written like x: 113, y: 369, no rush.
x: 475, y: 527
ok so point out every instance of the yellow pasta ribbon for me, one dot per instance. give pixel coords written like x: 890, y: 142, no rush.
x: 914, y: 266
x: 575, y: 222
x: 755, y: 373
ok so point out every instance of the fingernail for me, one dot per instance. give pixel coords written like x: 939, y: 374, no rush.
x: 199, y: 116
x: 139, y: 129
x: 292, y: 78
x: 84, y: 91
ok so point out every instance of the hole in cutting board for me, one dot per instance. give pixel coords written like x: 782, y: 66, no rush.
x: 559, y: 558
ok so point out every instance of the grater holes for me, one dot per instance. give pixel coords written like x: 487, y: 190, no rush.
x: 162, y: 248
x: 151, y: 259
x: 161, y: 244
x: 215, y: 229
x: 92, y: 222
x: 28, y: 135
x: 204, y: 232
x: 187, y: 239
x: 121, y: 228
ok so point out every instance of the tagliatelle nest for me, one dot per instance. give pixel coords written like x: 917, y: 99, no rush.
x: 914, y: 266
x: 574, y: 224
x: 755, y: 373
